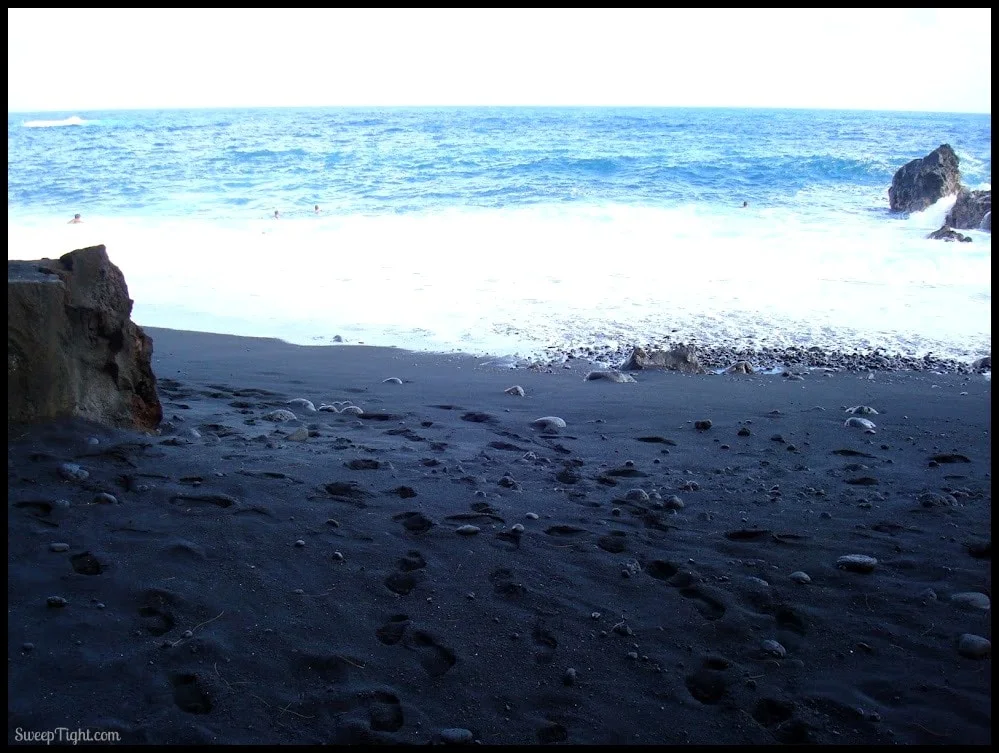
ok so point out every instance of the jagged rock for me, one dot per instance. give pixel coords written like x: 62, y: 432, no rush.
x: 982, y: 364
x: 72, y: 348
x: 678, y: 358
x: 922, y: 182
x: 741, y: 367
x: 948, y: 234
x: 971, y: 210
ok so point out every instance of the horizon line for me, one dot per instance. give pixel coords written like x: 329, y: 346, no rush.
x: 492, y: 106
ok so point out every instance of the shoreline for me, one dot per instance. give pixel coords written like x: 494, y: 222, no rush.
x: 437, y: 566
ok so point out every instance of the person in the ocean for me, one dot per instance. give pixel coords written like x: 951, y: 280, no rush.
x: 76, y: 220
x: 317, y: 209
x: 745, y: 204
x: 277, y: 215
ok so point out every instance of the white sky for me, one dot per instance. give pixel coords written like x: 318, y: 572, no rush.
x: 73, y: 60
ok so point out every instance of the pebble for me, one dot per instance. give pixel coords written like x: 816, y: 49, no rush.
x: 974, y: 646
x: 972, y: 599
x: 569, y: 678
x: 859, y: 423
x: 773, y: 647
x: 549, y: 422
x: 353, y: 410
x: 637, y: 495
x: 515, y: 390
x: 338, y: 556
x: 103, y: 498
x: 517, y: 527
x: 857, y: 563
x: 59, y: 547
x: 27, y: 647
x: 799, y: 576
x: 456, y: 736
x: 673, y: 502
x: 703, y: 425
x: 392, y: 380
x: 531, y: 516
x: 633, y: 655
x: 467, y: 530
x: 862, y: 410
x: 56, y: 602
x: 301, y: 402
x: 280, y: 415
x: 744, y: 432
x: 595, y: 615
x: 73, y: 472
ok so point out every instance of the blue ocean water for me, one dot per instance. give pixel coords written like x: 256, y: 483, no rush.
x: 541, y: 227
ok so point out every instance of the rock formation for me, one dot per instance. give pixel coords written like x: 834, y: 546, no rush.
x: 678, y: 358
x: 948, y: 234
x: 72, y: 348
x: 971, y: 210
x: 922, y: 182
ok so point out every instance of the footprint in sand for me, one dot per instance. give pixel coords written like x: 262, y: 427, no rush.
x: 414, y: 522
x: 156, y: 612
x: 545, y: 645
x: 710, y: 683
x: 189, y: 695
x: 393, y: 631
x: 434, y: 658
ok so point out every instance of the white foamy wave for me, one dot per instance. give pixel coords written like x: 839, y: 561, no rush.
x: 517, y: 281
x: 73, y: 120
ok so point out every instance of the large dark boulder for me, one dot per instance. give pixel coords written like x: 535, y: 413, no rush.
x: 681, y: 358
x: 922, y: 182
x: 971, y: 210
x: 72, y: 348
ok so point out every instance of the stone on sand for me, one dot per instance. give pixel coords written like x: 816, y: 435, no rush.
x: 549, y: 423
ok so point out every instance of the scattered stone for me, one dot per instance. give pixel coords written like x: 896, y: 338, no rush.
x: 531, y: 516
x: 740, y: 367
x: 569, y: 678
x: 972, y: 599
x: 352, y: 410
x: 549, y: 423
x: 516, y: 390
x: 299, y: 435
x: 860, y: 423
x: 637, y: 495
x: 300, y: 543
x: 948, y: 234
x: 103, y: 498
x: 799, y: 576
x: 774, y: 648
x: 857, y: 563
x: 673, y: 502
x: 611, y: 375
x: 73, y: 472
x: 517, y: 528
x: 974, y: 646
x: 59, y: 547
x: 56, y: 602
x: 862, y: 410
x: 456, y: 736
x: 467, y: 530
x: 392, y: 380
x: 744, y: 431
x: 703, y: 425
x: 301, y: 402
x: 280, y: 415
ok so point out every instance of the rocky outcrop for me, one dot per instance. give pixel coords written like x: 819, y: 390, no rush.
x: 72, y: 348
x: 678, y: 358
x: 922, y: 182
x: 971, y: 210
x: 948, y: 234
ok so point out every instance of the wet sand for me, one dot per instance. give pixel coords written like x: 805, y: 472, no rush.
x: 437, y: 566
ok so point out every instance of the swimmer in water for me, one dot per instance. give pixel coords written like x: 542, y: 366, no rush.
x: 277, y: 215
x: 745, y: 204
x: 317, y: 209
x: 76, y: 220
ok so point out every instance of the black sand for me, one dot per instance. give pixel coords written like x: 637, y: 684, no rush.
x: 247, y: 587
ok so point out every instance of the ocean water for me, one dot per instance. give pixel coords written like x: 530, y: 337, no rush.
x: 514, y: 231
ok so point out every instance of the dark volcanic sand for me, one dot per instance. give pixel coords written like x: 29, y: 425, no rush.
x: 248, y: 587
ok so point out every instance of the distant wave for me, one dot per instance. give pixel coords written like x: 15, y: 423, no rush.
x: 73, y: 120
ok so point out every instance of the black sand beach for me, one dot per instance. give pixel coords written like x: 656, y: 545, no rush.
x: 628, y: 578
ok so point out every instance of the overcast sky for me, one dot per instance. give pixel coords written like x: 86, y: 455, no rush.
x: 75, y: 60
